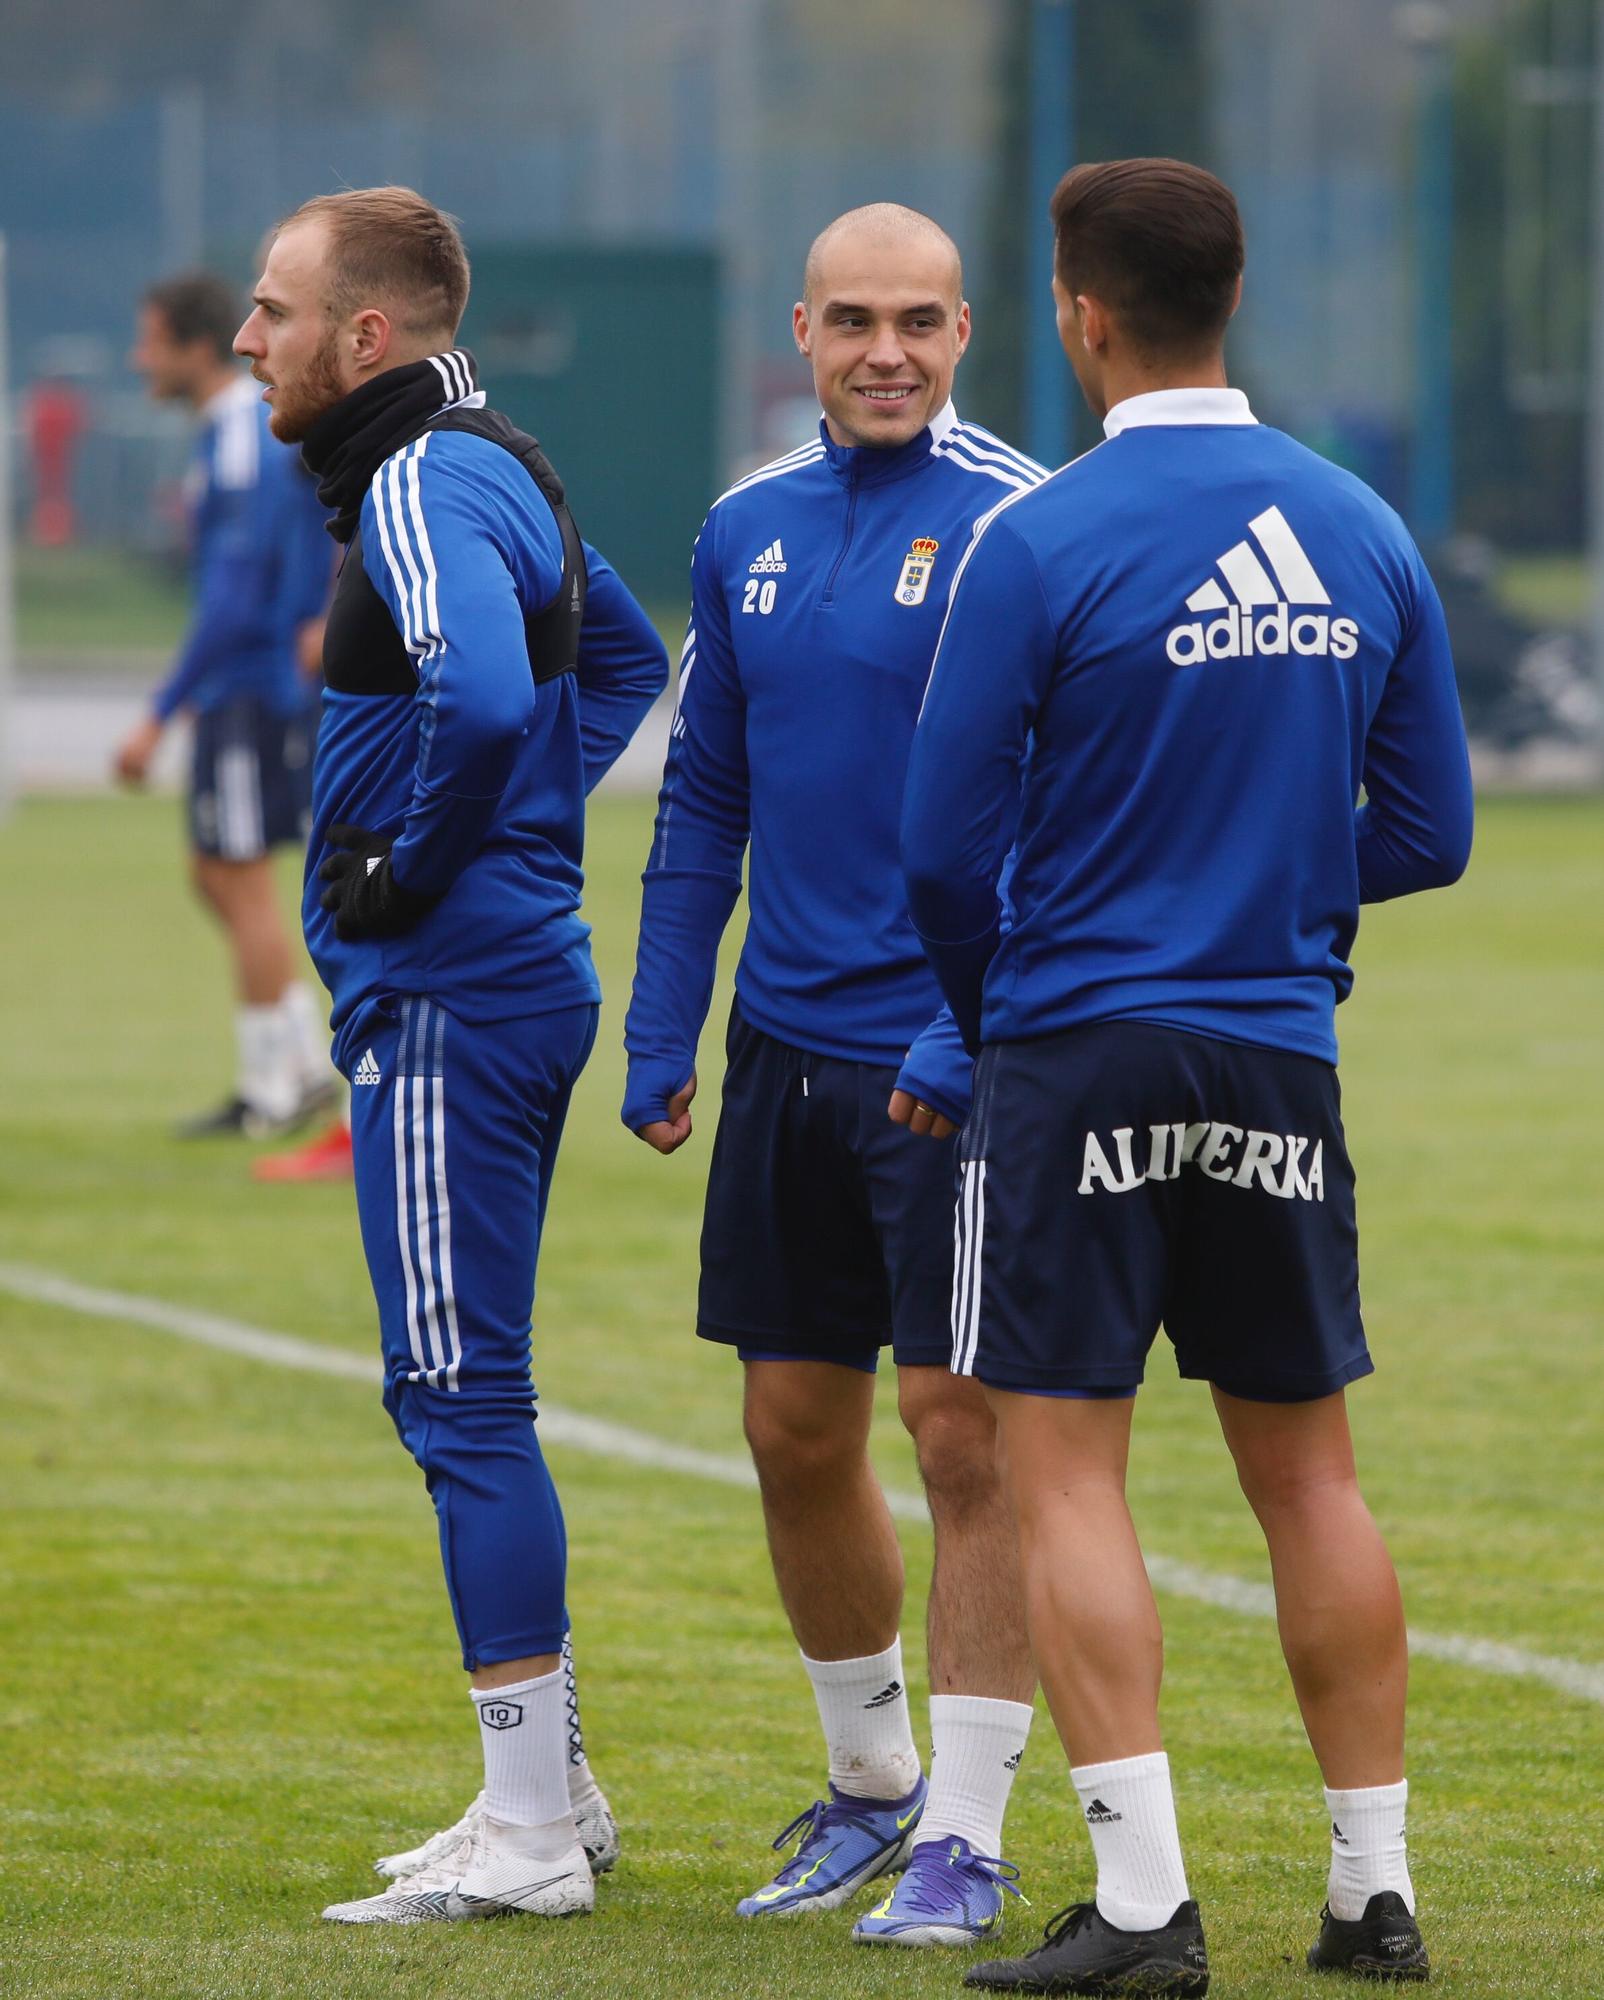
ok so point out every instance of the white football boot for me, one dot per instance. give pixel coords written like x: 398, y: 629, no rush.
x: 437, y: 1851
x: 490, y: 1873
x: 598, y: 1835
x: 598, y: 1830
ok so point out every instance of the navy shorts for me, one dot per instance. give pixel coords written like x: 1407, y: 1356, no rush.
x: 250, y: 780
x: 828, y: 1230
x: 1122, y: 1176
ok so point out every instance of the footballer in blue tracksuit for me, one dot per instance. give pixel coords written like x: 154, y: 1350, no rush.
x: 262, y: 567
x: 818, y: 585
x: 484, y: 668
x: 1214, y: 641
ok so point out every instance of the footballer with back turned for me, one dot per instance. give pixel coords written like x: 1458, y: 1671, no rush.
x: 1214, y: 640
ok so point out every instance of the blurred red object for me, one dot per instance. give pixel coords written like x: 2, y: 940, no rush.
x: 325, y: 1158
x: 56, y: 418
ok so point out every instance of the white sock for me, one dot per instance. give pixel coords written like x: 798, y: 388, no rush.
x: 306, y: 1032
x: 1367, y: 1848
x: 266, y: 1077
x: 1130, y: 1814
x: 524, y: 1731
x: 582, y: 1786
x: 863, y: 1705
x: 975, y: 1748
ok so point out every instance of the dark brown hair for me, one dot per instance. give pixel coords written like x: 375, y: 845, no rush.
x: 390, y: 248
x: 198, y: 305
x: 1159, y: 242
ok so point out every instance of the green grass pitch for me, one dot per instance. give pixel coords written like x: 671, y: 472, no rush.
x: 227, y: 1675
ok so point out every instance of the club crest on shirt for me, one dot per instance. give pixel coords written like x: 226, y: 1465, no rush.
x: 917, y: 565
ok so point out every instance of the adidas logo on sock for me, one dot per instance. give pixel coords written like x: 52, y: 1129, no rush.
x: 1338, y: 1835
x: 1261, y: 620
x: 1012, y: 1763
x: 367, y: 1070
x: 770, y: 563
x: 1098, y: 1814
x: 886, y: 1694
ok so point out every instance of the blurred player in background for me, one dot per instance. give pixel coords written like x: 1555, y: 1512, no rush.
x: 326, y: 1156
x: 1213, y: 639
x: 817, y: 591
x: 484, y: 668
x: 262, y: 572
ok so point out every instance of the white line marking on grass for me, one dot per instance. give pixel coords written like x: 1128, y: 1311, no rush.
x: 632, y: 1447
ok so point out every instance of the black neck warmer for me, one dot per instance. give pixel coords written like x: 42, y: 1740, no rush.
x: 352, y: 439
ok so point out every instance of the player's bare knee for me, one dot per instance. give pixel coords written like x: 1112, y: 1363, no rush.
x: 799, y: 1442
x: 955, y: 1439
x: 202, y: 879
x: 1285, y: 1491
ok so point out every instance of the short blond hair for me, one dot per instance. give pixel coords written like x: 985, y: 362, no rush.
x: 390, y: 248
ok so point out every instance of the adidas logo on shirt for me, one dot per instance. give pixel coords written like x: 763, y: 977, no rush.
x: 770, y: 563
x: 1261, y: 620
x: 367, y: 1070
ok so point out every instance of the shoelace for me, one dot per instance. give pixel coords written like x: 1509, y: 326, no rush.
x: 807, y: 1823
x: 1064, y: 1925
x: 926, y: 1887
x: 449, y: 1839
x: 810, y: 1824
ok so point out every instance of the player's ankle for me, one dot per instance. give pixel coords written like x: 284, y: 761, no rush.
x: 863, y: 1709
x: 1368, y: 1848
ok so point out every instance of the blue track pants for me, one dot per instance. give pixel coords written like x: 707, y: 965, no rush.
x: 455, y: 1127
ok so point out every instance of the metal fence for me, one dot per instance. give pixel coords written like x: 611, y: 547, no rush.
x: 1415, y: 180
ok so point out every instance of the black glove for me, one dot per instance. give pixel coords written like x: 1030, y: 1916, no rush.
x: 367, y: 900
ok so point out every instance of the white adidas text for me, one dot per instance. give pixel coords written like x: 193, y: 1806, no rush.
x: 1238, y: 635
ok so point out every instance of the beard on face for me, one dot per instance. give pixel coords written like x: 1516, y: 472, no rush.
x: 298, y: 405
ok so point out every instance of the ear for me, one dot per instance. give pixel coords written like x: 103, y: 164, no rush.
x: 1092, y: 318
x: 964, y: 327
x: 801, y: 333
x: 370, y: 336
x: 1236, y: 298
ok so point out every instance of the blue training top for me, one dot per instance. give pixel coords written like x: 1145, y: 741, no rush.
x: 480, y: 775
x: 254, y: 529
x: 1214, y: 637
x: 817, y: 589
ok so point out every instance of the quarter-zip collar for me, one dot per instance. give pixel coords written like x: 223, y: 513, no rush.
x: 879, y: 465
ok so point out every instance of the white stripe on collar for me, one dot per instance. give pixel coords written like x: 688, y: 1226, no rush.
x: 942, y: 422
x: 1179, y: 406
